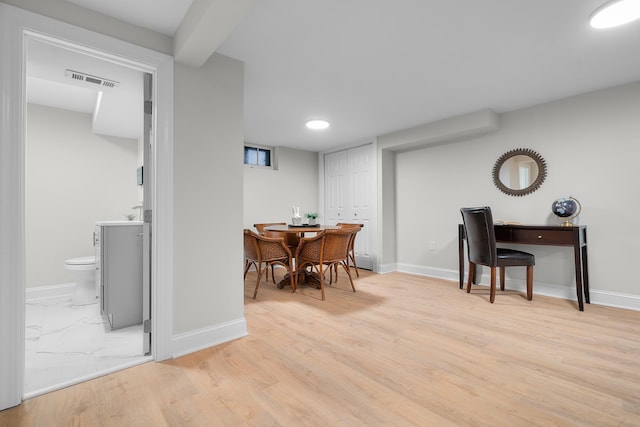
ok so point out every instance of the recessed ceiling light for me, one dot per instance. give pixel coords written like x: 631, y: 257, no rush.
x: 317, y: 124
x: 615, y: 13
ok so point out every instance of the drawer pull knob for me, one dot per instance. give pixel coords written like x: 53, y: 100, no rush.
x: 539, y: 237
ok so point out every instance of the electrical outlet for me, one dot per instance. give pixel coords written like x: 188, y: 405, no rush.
x: 432, y: 245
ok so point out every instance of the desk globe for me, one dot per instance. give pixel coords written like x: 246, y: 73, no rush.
x: 566, y: 208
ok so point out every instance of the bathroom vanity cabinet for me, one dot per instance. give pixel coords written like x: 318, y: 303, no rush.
x: 118, y: 247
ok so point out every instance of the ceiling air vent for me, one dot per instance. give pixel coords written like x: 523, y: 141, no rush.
x: 88, y: 78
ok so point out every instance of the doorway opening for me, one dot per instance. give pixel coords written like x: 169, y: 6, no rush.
x: 86, y: 147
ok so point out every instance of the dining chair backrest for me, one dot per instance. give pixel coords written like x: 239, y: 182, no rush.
x: 337, y: 244
x: 352, y: 250
x: 351, y: 226
x: 261, y: 228
x: 480, y: 235
x: 310, y: 248
x: 272, y: 248
x: 291, y: 240
x: 251, y: 249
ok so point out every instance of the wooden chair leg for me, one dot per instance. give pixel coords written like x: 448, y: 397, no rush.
x: 492, y: 295
x: 260, y: 271
x: 352, y: 255
x: 502, y: 278
x: 529, y: 282
x: 247, y: 265
x: 346, y: 268
x: 322, y: 280
x: 472, y: 271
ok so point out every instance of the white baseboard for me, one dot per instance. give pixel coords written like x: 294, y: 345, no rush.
x: 615, y: 299
x: 386, y: 268
x: 50, y: 291
x: 612, y: 299
x: 193, y: 341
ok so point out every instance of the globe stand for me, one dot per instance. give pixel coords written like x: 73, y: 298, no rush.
x: 568, y: 220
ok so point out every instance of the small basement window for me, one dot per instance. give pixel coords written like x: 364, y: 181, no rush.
x: 255, y: 155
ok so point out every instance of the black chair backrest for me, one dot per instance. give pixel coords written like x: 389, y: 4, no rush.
x: 481, y: 237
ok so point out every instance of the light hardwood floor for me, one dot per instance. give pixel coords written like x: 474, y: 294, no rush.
x: 403, y: 350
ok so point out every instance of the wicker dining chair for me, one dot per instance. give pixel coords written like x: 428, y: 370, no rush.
x: 328, y: 248
x: 352, y: 251
x: 291, y: 240
x: 259, y: 250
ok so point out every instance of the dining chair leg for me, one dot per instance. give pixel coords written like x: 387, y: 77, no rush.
x: 502, y: 278
x: 472, y: 272
x: 492, y: 295
x: 247, y: 265
x: 346, y: 268
x: 322, y: 280
x: 296, y: 274
x: 529, y: 282
x: 260, y: 271
x: 353, y: 259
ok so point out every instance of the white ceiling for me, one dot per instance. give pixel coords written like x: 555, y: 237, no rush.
x: 162, y: 16
x: 375, y: 66
x: 116, y: 111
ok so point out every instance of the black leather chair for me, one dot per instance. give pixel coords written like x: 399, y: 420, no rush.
x: 482, y: 250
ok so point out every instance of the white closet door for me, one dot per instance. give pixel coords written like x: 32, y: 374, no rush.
x: 349, y: 191
x: 360, y: 196
x: 335, y: 165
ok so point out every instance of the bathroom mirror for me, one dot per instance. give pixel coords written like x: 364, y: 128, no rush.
x: 519, y: 172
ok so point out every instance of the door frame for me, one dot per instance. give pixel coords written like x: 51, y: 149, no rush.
x: 16, y: 26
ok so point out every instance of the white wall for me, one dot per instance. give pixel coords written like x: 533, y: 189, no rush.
x: 269, y: 194
x: 591, y: 145
x: 208, y: 153
x: 74, y: 178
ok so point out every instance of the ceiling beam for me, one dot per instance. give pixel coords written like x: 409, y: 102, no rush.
x: 205, y: 26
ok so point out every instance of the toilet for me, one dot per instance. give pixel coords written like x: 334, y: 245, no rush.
x: 83, y: 270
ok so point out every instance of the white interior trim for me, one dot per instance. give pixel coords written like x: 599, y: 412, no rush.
x: 16, y: 25
x: 211, y: 336
x: 89, y: 377
x: 38, y: 293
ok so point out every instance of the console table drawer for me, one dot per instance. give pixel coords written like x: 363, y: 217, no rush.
x: 542, y: 237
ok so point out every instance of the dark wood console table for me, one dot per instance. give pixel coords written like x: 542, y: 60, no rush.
x: 575, y: 236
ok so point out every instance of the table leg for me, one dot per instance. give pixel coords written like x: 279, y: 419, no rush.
x: 579, y: 285
x: 585, y: 275
x: 304, y: 276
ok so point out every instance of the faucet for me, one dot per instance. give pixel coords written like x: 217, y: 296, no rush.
x: 140, y: 207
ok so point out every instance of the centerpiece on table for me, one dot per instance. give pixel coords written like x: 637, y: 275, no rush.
x: 296, y: 219
x: 311, y: 216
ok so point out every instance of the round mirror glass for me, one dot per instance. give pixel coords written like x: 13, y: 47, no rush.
x: 519, y: 172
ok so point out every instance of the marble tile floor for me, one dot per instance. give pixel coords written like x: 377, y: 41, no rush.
x: 67, y: 344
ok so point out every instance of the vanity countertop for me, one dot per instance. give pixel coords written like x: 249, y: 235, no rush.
x: 107, y: 223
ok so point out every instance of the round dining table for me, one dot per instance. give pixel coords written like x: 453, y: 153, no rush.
x: 300, y: 229
x: 306, y: 276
